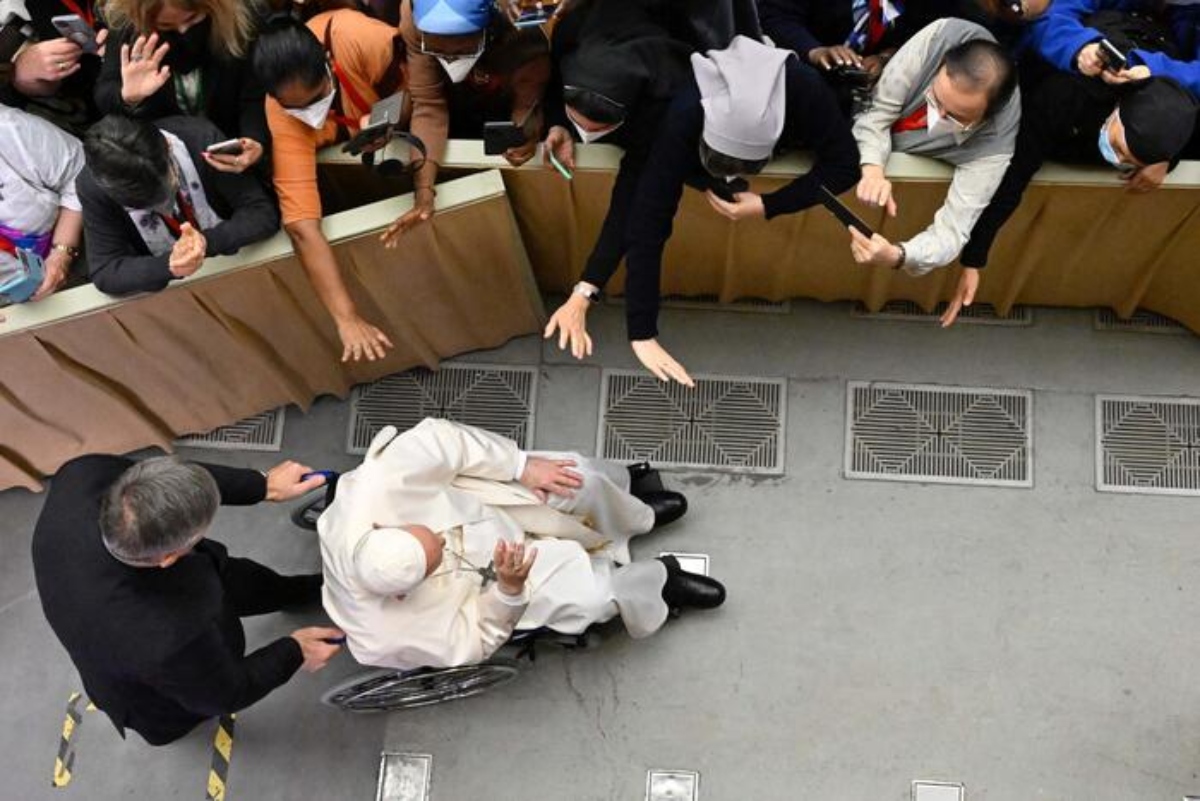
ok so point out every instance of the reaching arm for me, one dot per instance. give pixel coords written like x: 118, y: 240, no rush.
x: 238, y: 486
x: 786, y: 22
x: 1060, y: 34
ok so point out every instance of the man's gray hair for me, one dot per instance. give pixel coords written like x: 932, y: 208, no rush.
x: 157, y: 507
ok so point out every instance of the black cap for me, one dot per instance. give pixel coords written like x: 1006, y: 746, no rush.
x: 1159, y: 116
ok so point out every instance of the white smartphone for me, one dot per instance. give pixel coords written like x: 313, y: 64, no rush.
x: 230, y: 147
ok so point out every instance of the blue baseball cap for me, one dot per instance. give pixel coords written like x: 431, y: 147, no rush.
x: 452, y: 17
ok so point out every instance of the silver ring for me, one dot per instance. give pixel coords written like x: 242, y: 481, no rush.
x: 136, y: 57
x: 62, y: 66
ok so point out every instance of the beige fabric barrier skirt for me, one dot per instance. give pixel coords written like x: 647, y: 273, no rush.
x: 249, y: 335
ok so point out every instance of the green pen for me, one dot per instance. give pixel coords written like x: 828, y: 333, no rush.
x: 563, y: 171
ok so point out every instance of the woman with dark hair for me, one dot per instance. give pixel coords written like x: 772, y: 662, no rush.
x: 154, y: 209
x: 321, y: 78
x: 190, y: 58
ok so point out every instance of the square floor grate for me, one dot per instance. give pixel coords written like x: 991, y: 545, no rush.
x: 726, y: 423
x: 499, y: 399
x: 404, y: 777
x: 262, y: 432
x: 1142, y: 321
x: 946, y: 435
x: 976, y: 313
x: 1148, y: 445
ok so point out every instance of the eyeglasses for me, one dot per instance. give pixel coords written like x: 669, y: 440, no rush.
x: 932, y: 99
x: 453, y: 56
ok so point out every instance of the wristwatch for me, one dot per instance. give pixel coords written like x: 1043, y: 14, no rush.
x: 586, y: 290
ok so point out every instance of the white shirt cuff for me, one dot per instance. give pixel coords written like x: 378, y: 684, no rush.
x: 513, y: 600
x: 522, y: 459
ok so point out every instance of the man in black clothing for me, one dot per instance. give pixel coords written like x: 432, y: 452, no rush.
x: 149, y: 609
x: 1138, y: 128
x: 154, y: 208
x: 741, y: 103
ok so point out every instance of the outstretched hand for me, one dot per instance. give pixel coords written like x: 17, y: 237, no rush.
x: 570, y: 321
x: 656, y: 359
x: 964, y: 296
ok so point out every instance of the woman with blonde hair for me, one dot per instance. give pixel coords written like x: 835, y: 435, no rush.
x: 188, y: 57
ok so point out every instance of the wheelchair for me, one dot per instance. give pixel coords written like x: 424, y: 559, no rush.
x: 388, y: 690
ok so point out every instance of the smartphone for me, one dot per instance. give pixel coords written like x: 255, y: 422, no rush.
x: 501, y: 136
x: 727, y: 190
x: 850, y: 74
x: 21, y: 281
x: 72, y: 27
x: 230, y: 147
x: 1114, y: 60
x: 843, y: 213
x: 387, y: 111
x: 372, y: 137
x: 534, y: 13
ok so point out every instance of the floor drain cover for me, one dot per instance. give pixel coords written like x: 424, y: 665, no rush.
x: 978, y: 313
x: 1141, y: 321
x: 404, y: 777
x: 672, y: 785
x: 262, y: 432
x: 1148, y: 445
x: 947, y: 435
x: 938, y: 791
x: 725, y: 423
x: 499, y: 399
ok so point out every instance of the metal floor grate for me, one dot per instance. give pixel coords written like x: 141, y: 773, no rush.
x: 499, y: 399
x: 1142, y: 321
x: 946, y: 435
x: 976, y: 313
x: 725, y: 423
x: 262, y: 432
x: 1148, y: 445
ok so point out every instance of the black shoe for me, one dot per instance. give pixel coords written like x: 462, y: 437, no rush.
x: 639, y: 470
x: 685, y: 590
x: 668, y: 506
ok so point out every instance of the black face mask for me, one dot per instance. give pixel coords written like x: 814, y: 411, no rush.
x: 189, y: 51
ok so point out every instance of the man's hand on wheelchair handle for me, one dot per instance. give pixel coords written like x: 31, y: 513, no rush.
x: 315, y: 644
x: 512, y: 563
x: 286, y: 481
x: 550, y: 477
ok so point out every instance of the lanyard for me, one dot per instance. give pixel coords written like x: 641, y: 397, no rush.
x: 189, y: 215
x: 85, y: 12
x: 7, y: 245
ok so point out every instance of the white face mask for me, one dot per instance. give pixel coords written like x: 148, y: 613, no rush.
x: 458, y: 68
x: 594, y: 136
x: 938, y: 124
x: 315, y: 114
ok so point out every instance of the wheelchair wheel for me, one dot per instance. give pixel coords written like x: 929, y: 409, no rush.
x: 392, y: 690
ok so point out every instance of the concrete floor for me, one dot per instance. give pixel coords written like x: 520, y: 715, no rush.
x: 1033, y: 644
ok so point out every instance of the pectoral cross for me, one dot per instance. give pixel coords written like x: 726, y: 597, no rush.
x: 487, y: 574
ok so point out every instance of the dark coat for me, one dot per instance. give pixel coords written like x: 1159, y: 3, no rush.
x: 119, y: 261
x: 160, y: 650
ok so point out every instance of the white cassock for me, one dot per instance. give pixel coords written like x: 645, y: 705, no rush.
x: 459, y: 481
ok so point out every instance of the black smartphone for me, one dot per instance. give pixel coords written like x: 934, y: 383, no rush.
x: 849, y: 74
x: 843, y: 213
x: 72, y: 27
x: 501, y: 136
x: 372, y: 137
x: 230, y: 147
x: 535, y: 14
x: 727, y: 190
x: 1114, y: 60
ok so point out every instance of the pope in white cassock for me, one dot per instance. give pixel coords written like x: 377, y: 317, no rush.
x: 408, y: 539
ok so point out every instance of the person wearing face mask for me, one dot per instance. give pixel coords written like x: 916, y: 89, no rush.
x: 187, y: 57
x: 950, y: 94
x: 321, y: 78
x: 743, y: 102
x: 1139, y: 129
x: 154, y: 209
x: 467, y: 64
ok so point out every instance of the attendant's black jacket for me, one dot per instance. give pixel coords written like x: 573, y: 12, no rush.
x: 160, y: 650
x: 117, y: 257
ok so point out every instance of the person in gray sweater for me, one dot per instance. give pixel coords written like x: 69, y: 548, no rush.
x: 951, y: 94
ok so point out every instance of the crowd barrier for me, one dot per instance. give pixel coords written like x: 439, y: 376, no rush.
x: 1080, y: 239
x: 81, y: 372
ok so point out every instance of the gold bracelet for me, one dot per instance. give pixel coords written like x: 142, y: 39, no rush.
x: 71, y: 251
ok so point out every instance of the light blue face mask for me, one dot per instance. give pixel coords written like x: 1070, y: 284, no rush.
x: 1109, y: 152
